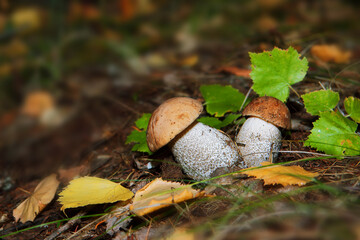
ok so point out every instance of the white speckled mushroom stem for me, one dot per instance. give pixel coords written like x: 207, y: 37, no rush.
x: 203, y: 149
x: 255, y: 139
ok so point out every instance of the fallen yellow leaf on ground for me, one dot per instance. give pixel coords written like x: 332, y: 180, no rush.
x: 330, y: 53
x: 284, y: 175
x: 27, y: 20
x: 92, y: 190
x: 159, y: 194
x: 43, y: 194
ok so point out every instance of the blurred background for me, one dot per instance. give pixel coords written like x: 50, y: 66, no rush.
x: 74, y: 74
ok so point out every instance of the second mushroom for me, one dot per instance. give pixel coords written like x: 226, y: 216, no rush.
x: 200, y: 149
x: 260, y: 134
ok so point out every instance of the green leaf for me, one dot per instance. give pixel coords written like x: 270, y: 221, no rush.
x: 274, y: 72
x: 138, y: 136
x: 217, y: 123
x: 320, y: 101
x: 352, y: 107
x: 334, y: 134
x: 143, y: 121
x: 221, y: 99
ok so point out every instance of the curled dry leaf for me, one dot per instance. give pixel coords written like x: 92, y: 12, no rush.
x: 284, y: 175
x: 160, y: 194
x: 330, y: 53
x: 43, y: 194
x: 92, y: 190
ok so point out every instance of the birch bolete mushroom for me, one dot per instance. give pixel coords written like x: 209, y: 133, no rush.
x: 260, y: 134
x: 200, y: 149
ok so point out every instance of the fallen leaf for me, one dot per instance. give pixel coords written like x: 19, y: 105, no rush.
x: 284, y: 175
x: 28, y: 19
x: 330, y: 53
x: 186, y: 61
x: 127, y: 9
x: 82, y: 11
x: 36, y: 103
x: 16, y: 48
x: 240, y: 72
x: 160, y: 194
x: 92, y: 190
x: 43, y: 194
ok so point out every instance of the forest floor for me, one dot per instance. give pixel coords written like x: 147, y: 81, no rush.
x: 101, y: 101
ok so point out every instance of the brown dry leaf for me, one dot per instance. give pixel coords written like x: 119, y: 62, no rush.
x: 43, y: 194
x: 330, y: 53
x: 36, y: 103
x: 159, y: 194
x: 284, y: 175
x: 240, y: 72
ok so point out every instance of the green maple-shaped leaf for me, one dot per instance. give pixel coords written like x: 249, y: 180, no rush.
x: 138, y: 136
x: 221, y: 99
x: 334, y: 134
x: 217, y: 123
x: 352, y: 107
x: 274, y: 72
x: 320, y: 101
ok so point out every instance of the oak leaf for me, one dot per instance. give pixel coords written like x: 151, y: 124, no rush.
x: 43, y: 194
x: 284, y: 175
x: 160, y: 194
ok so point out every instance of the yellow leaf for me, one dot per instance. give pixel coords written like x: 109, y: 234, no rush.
x: 159, y: 194
x: 285, y: 175
x: 43, y: 194
x: 92, y: 190
x: 27, y: 20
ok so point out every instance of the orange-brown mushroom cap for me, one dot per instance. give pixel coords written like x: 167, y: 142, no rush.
x: 171, y: 118
x: 271, y: 110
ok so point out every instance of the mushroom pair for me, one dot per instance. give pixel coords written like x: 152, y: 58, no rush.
x: 200, y: 149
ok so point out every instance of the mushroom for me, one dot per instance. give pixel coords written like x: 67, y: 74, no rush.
x: 260, y: 134
x: 200, y: 149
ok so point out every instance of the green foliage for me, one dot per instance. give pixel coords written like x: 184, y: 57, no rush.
x: 352, y: 107
x: 221, y: 99
x: 217, y: 123
x: 320, y: 101
x: 138, y: 136
x: 334, y: 134
x: 274, y: 72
